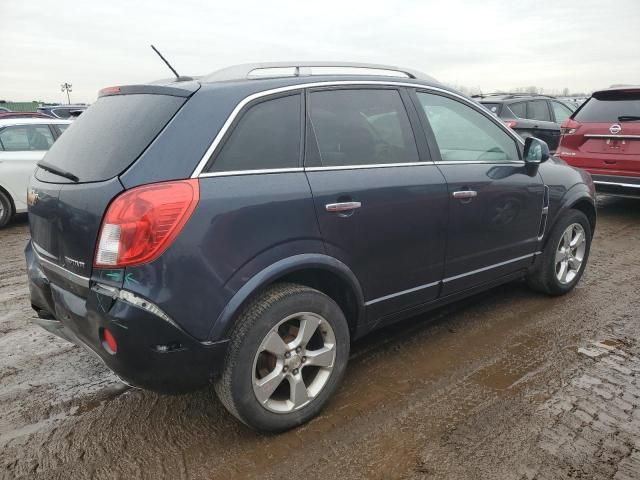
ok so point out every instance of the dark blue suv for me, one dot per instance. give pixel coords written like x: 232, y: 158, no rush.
x: 243, y: 228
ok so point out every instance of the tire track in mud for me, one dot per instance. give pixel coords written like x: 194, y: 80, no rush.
x: 464, y: 396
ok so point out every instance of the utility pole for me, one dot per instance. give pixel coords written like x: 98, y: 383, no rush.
x: 66, y: 87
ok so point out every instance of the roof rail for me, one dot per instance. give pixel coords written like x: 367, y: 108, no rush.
x: 509, y: 95
x: 254, y: 71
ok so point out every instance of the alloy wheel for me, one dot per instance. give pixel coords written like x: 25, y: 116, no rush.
x: 294, y: 362
x: 570, y: 253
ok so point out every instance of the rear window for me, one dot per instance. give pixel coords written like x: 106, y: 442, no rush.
x: 111, y: 134
x: 606, y: 108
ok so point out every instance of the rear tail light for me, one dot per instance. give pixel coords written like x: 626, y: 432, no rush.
x: 569, y: 127
x: 511, y: 123
x: 109, y: 342
x: 109, y: 91
x: 142, y: 222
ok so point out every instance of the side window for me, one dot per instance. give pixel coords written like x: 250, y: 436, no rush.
x: 519, y: 109
x: 560, y: 111
x: 463, y: 133
x: 538, y: 110
x: 61, y: 127
x: 362, y: 127
x: 267, y: 136
x: 26, y: 137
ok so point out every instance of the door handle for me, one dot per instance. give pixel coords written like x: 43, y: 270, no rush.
x: 464, y: 194
x: 342, y: 206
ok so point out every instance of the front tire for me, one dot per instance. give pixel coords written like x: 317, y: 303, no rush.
x: 6, y: 210
x: 565, y: 255
x: 287, y: 355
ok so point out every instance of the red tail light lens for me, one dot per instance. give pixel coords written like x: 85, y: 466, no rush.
x: 109, y: 91
x: 142, y: 222
x: 569, y: 127
x: 511, y: 123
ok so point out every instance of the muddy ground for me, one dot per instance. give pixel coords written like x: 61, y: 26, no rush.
x: 508, y: 385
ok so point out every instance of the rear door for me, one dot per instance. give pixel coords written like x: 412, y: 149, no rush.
x: 21, y: 146
x: 381, y: 204
x: 495, y: 200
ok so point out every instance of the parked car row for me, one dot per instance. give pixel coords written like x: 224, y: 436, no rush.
x: 23, y: 142
x: 52, y: 111
x: 537, y: 116
x: 243, y: 228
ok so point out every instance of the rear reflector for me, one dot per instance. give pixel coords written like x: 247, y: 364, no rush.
x: 142, y: 222
x: 109, y: 342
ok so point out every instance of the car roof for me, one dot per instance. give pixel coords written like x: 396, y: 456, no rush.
x: 619, y: 88
x: 4, y: 122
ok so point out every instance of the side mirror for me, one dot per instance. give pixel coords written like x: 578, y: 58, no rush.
x: 535, y: 151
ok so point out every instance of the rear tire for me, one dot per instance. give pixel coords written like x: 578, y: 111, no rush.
x: 6, y: 209
x: 564, y: 257
x: 287, y: 355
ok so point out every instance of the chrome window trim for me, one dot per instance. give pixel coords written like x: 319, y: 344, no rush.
x: 605, y: 135
x: 230, y: 173
x: 68, y: 274
x: 480, y: 162
x: 626, y: 185
x: 371, y: 165
x: 449, y: 279
x: 292, y: 88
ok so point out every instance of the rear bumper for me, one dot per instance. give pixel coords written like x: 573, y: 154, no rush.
x: 152, y: 352
x: 617, y: 185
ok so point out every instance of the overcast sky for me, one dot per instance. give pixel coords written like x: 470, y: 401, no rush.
x: 488, y: 44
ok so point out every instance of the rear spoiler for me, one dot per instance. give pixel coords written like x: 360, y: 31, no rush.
x: 185, y: 89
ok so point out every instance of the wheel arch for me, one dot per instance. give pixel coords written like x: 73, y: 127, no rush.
x: 319, y: 271
x: 11, y: 200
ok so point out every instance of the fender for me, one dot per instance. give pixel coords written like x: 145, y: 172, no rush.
x: 224, y: 322
x: 578, y: 192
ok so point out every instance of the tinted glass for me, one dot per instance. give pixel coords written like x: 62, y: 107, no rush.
x: 361, y: 127
x: 560, y: 111
x: 519, y: 109
x: 492, y: 107
x: 26, y: 138
x: 462, y: 133
x: 62, y: 126
x: 111, y: 134
x: 538, y: 110
x: 61, y: 112
x: 608, y: 108
x: 267, y: 136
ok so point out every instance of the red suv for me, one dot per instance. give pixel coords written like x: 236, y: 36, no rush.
x: 603, y: 137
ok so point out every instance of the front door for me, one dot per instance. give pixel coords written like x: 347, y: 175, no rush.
x: 496, y: 200
x: 381, y: 205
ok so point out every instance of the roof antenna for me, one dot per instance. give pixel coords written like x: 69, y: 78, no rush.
x: 165, y: 61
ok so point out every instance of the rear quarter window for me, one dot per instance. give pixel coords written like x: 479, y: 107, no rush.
x: 111, y: 134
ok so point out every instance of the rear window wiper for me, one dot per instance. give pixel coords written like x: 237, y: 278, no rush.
x: 61, y: 173
x: 628, y: 118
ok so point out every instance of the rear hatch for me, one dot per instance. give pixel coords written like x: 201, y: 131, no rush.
x: 605, y: 132
x: 78, y: 178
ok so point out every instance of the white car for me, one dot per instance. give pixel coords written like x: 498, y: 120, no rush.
x: 23, y: 142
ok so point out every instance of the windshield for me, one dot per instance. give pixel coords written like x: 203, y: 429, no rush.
x: 111, y: 134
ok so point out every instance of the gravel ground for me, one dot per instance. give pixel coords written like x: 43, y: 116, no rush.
x: 507, y: 385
